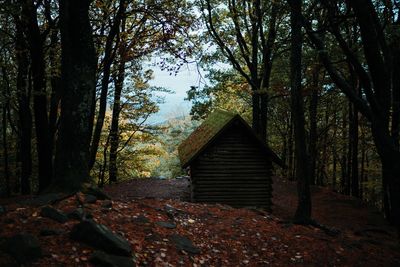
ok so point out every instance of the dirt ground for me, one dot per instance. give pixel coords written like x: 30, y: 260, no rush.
x: 338, y: 211
x: 154, y: 217
x: 151, y: 188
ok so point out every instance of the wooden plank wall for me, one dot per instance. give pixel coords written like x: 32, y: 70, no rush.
x: 233, y: 171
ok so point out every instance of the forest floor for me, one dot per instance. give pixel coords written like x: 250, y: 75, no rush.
x: 165, y: 230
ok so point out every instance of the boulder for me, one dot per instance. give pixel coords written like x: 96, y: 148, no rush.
x: 184, y: 243
x: 54, y: 214
x: 106, y: 204
x: 167, y: 225
x: 170, y: 211
x: 93, y: 190
x: 90, y: 199
x: 100, y: 237
x: 24, y: 248
x: 102, y: 259
x: 44, y: 199
x: 141, y: 219
x: 77, y: 214
x: 2, y: 210
x: 50, y: 231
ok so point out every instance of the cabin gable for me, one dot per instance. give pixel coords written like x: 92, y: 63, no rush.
x: 232, y: 170
x: 228, y: 162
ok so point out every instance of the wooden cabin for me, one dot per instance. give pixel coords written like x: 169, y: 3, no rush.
x: 228, y: 163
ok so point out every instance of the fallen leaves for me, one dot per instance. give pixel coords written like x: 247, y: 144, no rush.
x: 223, y: 236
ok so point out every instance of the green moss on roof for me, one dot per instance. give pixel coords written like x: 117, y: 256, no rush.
x: 211, y: 126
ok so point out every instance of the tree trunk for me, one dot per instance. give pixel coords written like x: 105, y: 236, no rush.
x: 263, y: 116
x: 24, y: 110
x: 303, y: 211
x: 334, y: 150
x: 78, y: 75
x: 355, y: 186
x: 391, y: 174
x: 256, y: 112
x: 114, y: 130
x: 55, y: 82
x: 347, y: 180
x: 313, y: 126
x: 5, y: 152
x: 362, y: 168
x: 103, y: 167
x: 35, y: 42
x: 291, y: 167
x: 343, y: 162
x: 108, y: 59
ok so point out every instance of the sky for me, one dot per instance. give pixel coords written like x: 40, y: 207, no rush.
x: 174, y: 104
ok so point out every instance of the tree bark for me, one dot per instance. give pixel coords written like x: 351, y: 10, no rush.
x: 35, y: 43
x: 55, y: 82
x: 24, y: 110
x: 343, y: 161
x: 114, y: 130
x: 5, y: 152
x: 313, y: 126
x: 291, y: 167
x: 78, y: 75
x: 108, y: 59
x: 303, y: 211
x: 355, y: 183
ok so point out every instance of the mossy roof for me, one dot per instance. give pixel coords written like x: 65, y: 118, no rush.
x: 212, y: 126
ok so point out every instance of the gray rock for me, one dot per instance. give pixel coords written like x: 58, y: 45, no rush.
x: 24, y: 248
x: 77, y: 214
x: 170, y: 211
x: 90, y: 199
x: 2, y: 210
x: 184, y: 243
x: 50, y: 231
x: 100, y: 237
x: 95, y: 191
x: 102, y: 259
x: 54, y: 214
x: 141, y: 220
x: 44, y: 199
x: 107, y: 204
x: 167, y: 225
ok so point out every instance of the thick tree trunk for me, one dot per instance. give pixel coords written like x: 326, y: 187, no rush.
x: 255, y: 98
x: 395, y: 130
x: 313, y: 127
x: 264, y: 116
x: 303, y: 211
x: 391, y: 174
x: 291, y: 168
x: 78, y: 74
x: 347, y: 185
x: 24, y: 111
x: 55, y: 82
x: 334, y: 151
x: 40, y: 97
x: 5, y: 152
x: 343, y: 161
x: 362, y: 167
